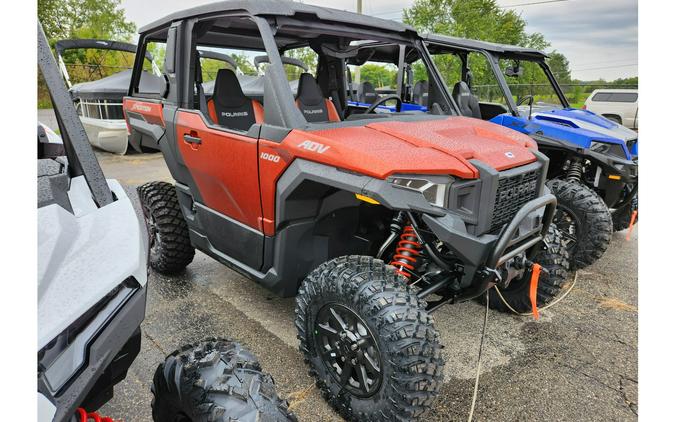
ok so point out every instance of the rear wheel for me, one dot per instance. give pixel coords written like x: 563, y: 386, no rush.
x: 615, y: 119
x: 215, y: 380
x: 170, y: 247
x: 584, y: 221
x: 369, y: 341
x: 553, y: 257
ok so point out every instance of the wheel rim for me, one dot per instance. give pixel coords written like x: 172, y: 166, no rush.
x: 153, y: 233
x: 568, y: 224
x: 348, y: 349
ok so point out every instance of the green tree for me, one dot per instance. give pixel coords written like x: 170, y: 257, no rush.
x: 560, y: 67
x: 305, y: 55
x: 104, y: 19
x: 84, y: 18
x: 482, y: 20
x: 244, y: 64
x: 476, y: 19
x: 378, y: 75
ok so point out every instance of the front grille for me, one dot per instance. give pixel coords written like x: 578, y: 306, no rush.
x: 513, y: 192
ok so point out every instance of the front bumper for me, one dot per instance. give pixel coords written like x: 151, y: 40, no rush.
x: 482, y: 255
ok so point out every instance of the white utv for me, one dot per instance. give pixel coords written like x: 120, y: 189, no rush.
x: 92, y: 267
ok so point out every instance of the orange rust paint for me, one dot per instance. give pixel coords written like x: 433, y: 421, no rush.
x: 534, y: 284
x: 633, y: 216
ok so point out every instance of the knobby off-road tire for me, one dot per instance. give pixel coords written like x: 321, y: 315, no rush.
x: 170, y: 247
x: 554, y: 258
x: 621, y: 218
x: 215, y: 380
x: 584, y: 221
x: 389, y: 327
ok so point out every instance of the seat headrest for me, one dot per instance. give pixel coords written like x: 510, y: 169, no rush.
x: 421, y: 92
x: 461, y: 89
x: 227, y: 89
x: 309, y: 92
x: 467, y: 102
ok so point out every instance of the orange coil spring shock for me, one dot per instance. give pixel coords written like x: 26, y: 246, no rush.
x: 407, y: 252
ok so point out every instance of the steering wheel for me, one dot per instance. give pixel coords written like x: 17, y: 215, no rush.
x: 529, y: 100
x: 384, y: 99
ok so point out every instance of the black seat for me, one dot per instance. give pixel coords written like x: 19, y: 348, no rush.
x: 368, y: 93
x: 229, y: 106
x: 311, y: 102
x: 467, y: 102
x: 421, y: 93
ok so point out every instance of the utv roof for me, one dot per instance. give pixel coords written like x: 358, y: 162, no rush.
x: 280, y: 8
x: 505, y: 50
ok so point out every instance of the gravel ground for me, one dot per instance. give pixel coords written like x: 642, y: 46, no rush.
x: 577, y: 363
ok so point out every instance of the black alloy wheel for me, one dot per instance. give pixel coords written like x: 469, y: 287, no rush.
x: 348, y: 349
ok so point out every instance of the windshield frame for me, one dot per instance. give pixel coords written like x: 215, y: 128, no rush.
x: 494, y: 58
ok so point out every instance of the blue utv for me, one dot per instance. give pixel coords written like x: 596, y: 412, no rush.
x: 593, y: 169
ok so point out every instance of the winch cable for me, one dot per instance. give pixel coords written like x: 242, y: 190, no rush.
x: 482, y: 338
x: 543, y: 308
x: 480, y: 355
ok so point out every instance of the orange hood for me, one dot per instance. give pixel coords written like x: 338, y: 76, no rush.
x: 445, y: 146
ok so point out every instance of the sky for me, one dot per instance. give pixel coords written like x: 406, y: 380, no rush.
x: 598, y: 37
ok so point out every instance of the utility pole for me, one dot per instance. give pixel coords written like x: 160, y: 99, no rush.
x: 357, y: 71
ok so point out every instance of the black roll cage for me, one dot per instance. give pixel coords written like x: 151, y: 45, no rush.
x: 493, y: 60
x: 281, y: 111
x: 81, y: 158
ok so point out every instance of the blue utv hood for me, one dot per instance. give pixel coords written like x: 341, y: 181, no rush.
x: 579, y: 127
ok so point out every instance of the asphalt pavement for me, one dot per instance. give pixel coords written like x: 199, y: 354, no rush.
x: 577, y: 363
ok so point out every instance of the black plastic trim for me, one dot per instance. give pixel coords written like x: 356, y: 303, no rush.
x: 101, y: 351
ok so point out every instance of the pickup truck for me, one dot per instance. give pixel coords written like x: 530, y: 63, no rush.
x: 618, y: 105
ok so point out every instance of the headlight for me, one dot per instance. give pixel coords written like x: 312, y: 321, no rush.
x: 433, y: 191
x: 608, y: 148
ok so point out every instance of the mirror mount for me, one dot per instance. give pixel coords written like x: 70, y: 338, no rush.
x: 514, y: 71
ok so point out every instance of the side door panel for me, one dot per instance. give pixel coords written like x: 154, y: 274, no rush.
x: 224, y: 170
x: 224, y: 167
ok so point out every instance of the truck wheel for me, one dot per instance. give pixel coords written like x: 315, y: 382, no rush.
x: 554, y: 258
x: 369, y: 342
x: 215, y: 380
x: 621, y: 218
x: 615, y: 119
x: 170, y: 247
x: 584, y: 221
